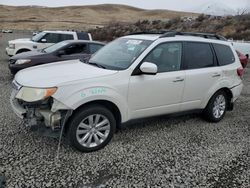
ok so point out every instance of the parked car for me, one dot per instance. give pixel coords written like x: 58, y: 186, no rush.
x: 65, y: 50
x: 133, y: 77
x: 7, y: 31
x: 243, y: 59
x: 42, y: 40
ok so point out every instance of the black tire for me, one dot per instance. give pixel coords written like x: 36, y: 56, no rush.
x: 79, y: 116
x: 208, y: 111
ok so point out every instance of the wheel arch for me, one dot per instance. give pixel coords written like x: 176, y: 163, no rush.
x: 228, y: 93
x: 108, y: 104
x: 22, y: 50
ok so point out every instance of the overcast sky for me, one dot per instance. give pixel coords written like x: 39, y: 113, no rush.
x: 147, y: 4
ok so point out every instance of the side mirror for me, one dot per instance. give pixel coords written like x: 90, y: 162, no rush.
x: 149, y: 68
x: 61, y: 52
x: 43, y: 40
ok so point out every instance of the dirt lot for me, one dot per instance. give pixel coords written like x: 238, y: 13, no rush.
x: 181, y: 151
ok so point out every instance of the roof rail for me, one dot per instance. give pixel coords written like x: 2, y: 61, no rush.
x: 149, y: 32
x: 204, y: 35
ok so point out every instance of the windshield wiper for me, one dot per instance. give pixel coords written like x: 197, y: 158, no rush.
x: 86, y: 60
x: 43, y: 51
x: 97, y: 65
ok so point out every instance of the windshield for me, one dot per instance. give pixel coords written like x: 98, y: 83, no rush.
x: 38, y: 36
x: 55, y: 47
x: 120, y: 54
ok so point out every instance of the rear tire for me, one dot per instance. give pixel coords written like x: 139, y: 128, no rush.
x: 216, y: 107
x: 91, y: 128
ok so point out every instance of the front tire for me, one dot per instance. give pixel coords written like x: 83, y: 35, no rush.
x: 91, y: 128
x: 216, y: 107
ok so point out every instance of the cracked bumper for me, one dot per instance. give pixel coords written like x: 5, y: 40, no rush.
x: 16, y: 107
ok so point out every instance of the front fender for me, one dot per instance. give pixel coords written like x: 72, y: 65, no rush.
x: 91, y: 94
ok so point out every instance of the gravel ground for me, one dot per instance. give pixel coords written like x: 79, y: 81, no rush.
x: 181, y: 151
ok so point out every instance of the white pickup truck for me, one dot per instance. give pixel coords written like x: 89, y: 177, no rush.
x: 43, y: 40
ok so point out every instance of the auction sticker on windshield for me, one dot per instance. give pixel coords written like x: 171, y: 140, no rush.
x: 134, y: 42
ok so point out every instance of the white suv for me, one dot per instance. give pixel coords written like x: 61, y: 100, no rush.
x: 133, y: 77
x: 42, y: 40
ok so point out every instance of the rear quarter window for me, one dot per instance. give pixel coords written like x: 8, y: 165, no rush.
x: 82, y: 36
x: 224, y: 54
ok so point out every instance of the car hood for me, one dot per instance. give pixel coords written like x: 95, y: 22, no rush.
x: 26, y: 55
x: 20, y: 41
x: 56, y: 74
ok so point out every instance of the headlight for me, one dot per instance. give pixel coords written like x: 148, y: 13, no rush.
x: 12, y: 46
x: 22, y: 61
x: 29, y: 94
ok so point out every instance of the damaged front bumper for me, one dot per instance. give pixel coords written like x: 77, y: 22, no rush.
x: 39, y: 113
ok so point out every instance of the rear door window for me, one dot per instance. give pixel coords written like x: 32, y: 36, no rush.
x: 93, y: 48
x: 76, y: 49
x: 198, y: 55
x: 63, y: 37
x: 224, y: 54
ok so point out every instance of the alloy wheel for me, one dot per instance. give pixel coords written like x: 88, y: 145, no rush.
x: 93, y: 130
x: 219, y: 106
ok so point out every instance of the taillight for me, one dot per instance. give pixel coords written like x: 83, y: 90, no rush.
x: 240, y: 71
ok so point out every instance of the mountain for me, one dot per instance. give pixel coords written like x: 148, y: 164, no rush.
x: 215, y: 8
x: 78, y: 17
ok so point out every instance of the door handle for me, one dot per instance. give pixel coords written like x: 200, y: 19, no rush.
x: 178, y: 79
x: 216, y: 75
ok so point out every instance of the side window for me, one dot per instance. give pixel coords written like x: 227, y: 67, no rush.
x: 51, y: 37
x: 63, y: 37
x: 93, y: 48
x: 198, y: 55
x: 224, y: 54
x: 76, y: 49
x: 82, y: 36
x: 166, y: 56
